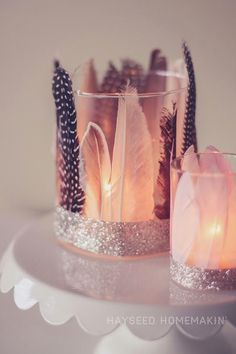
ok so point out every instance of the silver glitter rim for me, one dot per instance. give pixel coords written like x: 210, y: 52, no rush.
x: 112, y: 238
x: 203, y: 279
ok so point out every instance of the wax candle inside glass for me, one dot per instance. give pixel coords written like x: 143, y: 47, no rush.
x: 203, y: 210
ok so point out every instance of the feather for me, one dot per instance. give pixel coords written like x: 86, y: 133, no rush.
x: 185, y: 208
x: 179, y: 81
x: 71, y: 196
x: 97, y: 172
x: 228, y: 259
x: 185, y: 219
x: 106, y: 108
x: 189, y: 129
x: 112, y: 80
x: 85, y: 106
x: 132, y: 167
x: 133, y: 74
x: 212, y: 195
x: 154, y: 60
x: 167, y: 140
x: 152, y: 106
x: 190, y: 161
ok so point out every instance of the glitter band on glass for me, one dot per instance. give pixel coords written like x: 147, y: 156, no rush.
x: 112, y: 238
x: 203, y: 224
x: 203, y: 279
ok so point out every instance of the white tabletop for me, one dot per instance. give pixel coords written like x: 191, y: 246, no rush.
x: 26, y: 331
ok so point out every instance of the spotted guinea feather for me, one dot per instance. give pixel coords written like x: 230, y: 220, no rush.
x: 71, y: 195
x: 132, y: 73
x: 189, y: 133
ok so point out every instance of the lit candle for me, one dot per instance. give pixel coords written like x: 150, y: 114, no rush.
x: 203, y: 225
x: 107, y: 188
x: 203, y: 222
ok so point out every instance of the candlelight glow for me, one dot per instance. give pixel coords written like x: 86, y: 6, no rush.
x: 107, y: 187
x: 215, y: 229
x: 203, y: 215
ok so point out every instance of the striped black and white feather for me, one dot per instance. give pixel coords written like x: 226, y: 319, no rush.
x: 71, y: 195
x: 189, y: 133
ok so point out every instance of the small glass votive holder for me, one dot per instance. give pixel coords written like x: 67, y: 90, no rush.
x: 203, y: 220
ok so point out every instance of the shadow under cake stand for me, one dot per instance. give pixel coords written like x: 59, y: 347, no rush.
x: 131, y: 304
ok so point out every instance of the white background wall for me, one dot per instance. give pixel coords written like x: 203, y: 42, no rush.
x: 33, y: 32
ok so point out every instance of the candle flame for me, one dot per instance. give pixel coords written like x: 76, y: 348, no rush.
x: 107, y: 187
x: 215, y: 229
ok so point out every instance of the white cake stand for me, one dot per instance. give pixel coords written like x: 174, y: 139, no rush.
x: 133, y: 301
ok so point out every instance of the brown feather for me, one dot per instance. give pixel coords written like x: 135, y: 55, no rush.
x: 167, y: 142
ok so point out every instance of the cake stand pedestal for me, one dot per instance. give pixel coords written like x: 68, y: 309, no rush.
x: 132, y: 304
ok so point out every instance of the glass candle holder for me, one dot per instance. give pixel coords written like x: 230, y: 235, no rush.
x: 123, y: 137
x: 203, y: 222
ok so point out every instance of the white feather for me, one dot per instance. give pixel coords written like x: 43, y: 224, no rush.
x: 185, y: 219
x: 186, y: 213
x: 85, y: 106
x: 97, y: 172
x: 190, y: 161
x: 213, y: 195
x: 152, y: 106
x: 132, y: 165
